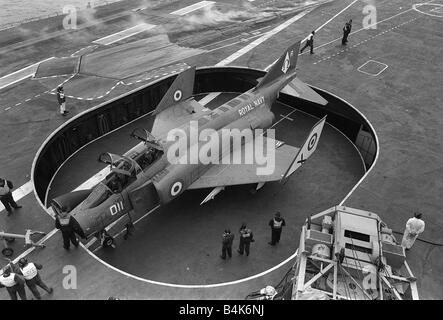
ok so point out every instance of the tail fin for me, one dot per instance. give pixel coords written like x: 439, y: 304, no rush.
x: 181, y: 89
x: 307, y: 149
x: 284, y: 65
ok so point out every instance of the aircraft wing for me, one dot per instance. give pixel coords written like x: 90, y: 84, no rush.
x: 177, y: 115
x: 287, y: 160
x: 301, y: 90
x: 234, y: 174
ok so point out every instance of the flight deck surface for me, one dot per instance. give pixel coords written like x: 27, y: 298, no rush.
x: 391, y: 74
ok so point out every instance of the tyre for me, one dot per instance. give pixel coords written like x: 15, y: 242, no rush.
x: 7, y: 252
x: 108, y: 241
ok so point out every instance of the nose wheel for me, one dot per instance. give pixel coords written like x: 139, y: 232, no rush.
x: 106, y: 240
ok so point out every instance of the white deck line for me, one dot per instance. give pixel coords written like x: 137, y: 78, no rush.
x: 192, y: 8
x: 319, y: 28
x: 118, y: 36
x: 262, y: 39
x: 20, y: 75
x: 385, y: 66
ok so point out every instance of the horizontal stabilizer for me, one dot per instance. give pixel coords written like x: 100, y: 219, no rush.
x: 307, y: 149
x: 180, y: 90
x: 299, y: 89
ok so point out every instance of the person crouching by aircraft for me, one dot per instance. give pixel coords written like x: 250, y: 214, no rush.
x: 65, y: 223
x: 246, y: 237
x: 13, y: 282
x: 276, y: 225
x: 414, y: 227
x: 6, y: 196
x: 32, y: 277
x: 227, y: 240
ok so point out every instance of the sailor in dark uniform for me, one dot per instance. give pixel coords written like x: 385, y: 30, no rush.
x: 65, y: 223
x: 246, y: 237
x: 276, y: 225
x: 346, y: 31
x: 6, y: 196
x: 227, y: 240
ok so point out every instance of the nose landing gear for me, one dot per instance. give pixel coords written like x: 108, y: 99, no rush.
x: 106, y: 240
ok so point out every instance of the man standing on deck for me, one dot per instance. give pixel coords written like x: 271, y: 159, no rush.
x: 246, y: 237
x: 346, y: 31
x: 65, y: 223
x: 32, y: 277
x: 61, y: 100
x: 6, y: 196
x: 414, y: 227
x: 227, y: 240
x: 309, y: 43
x: 276, y: 225
x: 13, y: 283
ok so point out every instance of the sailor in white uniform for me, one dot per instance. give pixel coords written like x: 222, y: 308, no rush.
x: 13, y: 283
x: 414, y: 227
x: 32, y: 277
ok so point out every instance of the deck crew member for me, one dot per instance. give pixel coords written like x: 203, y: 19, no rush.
x: 227, y: 240
x: 61, y: 100
x: 65, y: 223
x: 309, y: 43
x: 14, y: 283
x: 246, y: 237
x: 32, y: 277
x: 414, y: 227
x: 346, y: 31
x: 276, y: 224
x: 6, y: 196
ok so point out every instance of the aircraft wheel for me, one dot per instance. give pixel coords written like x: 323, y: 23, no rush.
x: 7, y: 252
x: 108, y: 241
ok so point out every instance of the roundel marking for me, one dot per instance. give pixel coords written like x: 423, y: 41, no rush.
x: 178, y: 95
x: 176, y: 188
x: 312, y: 142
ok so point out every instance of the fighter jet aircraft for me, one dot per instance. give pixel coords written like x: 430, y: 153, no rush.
x: 147, y: 177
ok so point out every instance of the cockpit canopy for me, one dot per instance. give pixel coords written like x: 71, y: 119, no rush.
x: 145, y: 136
x: 120, y: 164
x: 124, y: 170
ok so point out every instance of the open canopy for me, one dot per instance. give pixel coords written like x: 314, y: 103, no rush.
x: 120, y: 164
x: 145, y: 136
